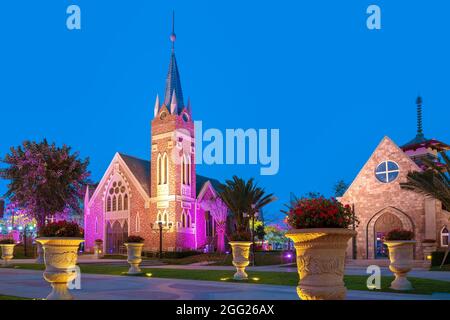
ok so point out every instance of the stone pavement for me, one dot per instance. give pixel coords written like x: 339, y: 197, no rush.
x: 30, y: 284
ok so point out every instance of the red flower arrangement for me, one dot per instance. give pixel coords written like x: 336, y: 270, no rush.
x: 134, y: 239
x: 62, y: 229
x: 319, y: 213
x: 399, y: 234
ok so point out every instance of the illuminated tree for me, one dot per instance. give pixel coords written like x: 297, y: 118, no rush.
x: 44, y: 179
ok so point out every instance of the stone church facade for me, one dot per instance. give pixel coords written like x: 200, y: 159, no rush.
x: 162, y: 196
x: 381, y: 205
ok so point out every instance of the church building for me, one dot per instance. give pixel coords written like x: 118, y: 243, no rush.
x: 162, y: 197
x: 381, y: 205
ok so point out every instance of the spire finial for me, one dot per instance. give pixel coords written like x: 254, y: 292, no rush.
x: 173, y: 36
x: 419, y: 116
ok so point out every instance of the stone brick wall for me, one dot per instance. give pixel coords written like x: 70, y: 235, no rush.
x: 373, y: 199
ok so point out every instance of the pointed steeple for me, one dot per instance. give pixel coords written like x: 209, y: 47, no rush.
x: 173, y: 82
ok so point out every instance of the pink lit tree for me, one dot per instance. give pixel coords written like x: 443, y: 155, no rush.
x: 44, y: 179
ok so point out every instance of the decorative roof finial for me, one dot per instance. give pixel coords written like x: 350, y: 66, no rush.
x: 173, y: 36
x: 419, y: 116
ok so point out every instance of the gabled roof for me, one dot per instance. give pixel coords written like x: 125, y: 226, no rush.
x: 201, y: 180
x: 140, y: 169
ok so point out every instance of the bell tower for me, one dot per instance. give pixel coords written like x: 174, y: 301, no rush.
x: 173, y: 179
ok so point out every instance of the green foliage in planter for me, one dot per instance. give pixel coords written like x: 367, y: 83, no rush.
x: 241, y: 235
x: 7, y: 241
x: 64, y: 229
x: 437, y: 257
x: 134, y: 239
x: 399, y: 235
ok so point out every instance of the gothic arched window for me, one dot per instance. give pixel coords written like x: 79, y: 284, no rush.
x: 114, y: 203
x: 108, y: 204
x: 188, y: 220
x: 159, y: 169
x: 183, y: 219
x: 119, y: 202
x: 444, y: 237
x: 165, y: 170
x: 125, y: 202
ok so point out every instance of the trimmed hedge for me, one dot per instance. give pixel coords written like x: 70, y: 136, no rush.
x: 171, y: 254
x: 436, y: 258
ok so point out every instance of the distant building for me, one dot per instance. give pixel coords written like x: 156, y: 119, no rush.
x: 382, y: 205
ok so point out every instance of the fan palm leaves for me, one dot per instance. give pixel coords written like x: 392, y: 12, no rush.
x: 434, y: 181
x: 244, y: 199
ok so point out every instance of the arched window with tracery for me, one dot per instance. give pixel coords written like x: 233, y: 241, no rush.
x: 117, y: 199
x: 165, y: 218
x: 188, y: 220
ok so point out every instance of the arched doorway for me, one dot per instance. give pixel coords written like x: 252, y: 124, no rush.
x: 115, y: 236
x: 383, y: 225
x: 379, y: 225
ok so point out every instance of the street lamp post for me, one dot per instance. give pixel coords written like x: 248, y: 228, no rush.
x: 160, y: 224
x: 161, y: 227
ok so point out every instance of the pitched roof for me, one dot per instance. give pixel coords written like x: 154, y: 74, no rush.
x: 201, y: 180
x: 140, y: 169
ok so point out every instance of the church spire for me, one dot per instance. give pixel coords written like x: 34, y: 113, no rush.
x: 173, y: 83
x: 419, y: 117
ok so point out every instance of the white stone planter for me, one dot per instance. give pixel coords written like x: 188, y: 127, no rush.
x: 7, y: 253
x: 321, y: 262
x: 401, y: 255
x: 60, y: 258
x: 134, y: 251
x: 241, y: 252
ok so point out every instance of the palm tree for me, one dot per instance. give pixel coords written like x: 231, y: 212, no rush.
x: 434, y: 181
x: 244, y: 199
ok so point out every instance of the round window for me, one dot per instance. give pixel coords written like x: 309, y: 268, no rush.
x: 387, y: 171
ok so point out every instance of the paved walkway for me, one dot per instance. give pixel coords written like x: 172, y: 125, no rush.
x: 30, y: 284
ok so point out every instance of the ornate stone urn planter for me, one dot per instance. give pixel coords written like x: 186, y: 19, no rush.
x: 401, y: 255
x: 320, y: 262
x: 134, y: 250
x: 241, y: 252
x: 60, y: 258
x: 7, y: 253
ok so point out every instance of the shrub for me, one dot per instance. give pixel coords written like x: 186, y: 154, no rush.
x: 437, y: 257
x: 241, y: 235
x: 61, y: 229
x: 319, y: 213
x: 134, y: 239
x: 171, y: 254
x: 98, y: 240
x: 7, y: 241
x: 399, y: 234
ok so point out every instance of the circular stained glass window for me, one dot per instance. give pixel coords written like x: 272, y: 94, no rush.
x: 387, y: 171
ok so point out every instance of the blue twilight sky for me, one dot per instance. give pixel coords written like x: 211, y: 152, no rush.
x: 310, y: 68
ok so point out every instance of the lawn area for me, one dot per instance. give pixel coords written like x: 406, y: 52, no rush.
x: 353, y: 282
x: 262, y: 258
x: 2, y: 297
